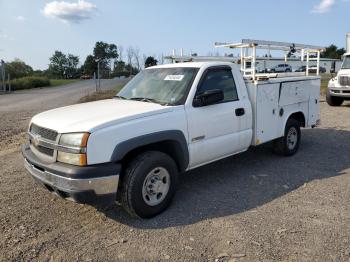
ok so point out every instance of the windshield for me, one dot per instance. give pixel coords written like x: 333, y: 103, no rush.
x: 168, y: 86
x: 346, y: 63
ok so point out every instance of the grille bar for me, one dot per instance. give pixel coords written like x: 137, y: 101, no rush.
x: 43, y: 132
x: 344, y: 80
x: 45, y: 150
x: 53, y: 145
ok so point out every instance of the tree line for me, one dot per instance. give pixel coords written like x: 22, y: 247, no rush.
x: 110, y: 60
x: 333, y: 52
x: 107, y: 59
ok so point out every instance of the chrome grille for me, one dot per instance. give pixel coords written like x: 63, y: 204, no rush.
x: 43, y: 132
x: 45, y: 150
x: 344, y: 80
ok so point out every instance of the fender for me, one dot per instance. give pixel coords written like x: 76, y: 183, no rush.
x: 180, y: 150
x: 289, y: 116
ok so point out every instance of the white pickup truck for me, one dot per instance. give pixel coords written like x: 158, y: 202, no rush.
x: 168, y: 119
x: 339, y: 86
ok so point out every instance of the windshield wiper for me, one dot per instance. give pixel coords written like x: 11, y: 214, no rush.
x: 120, y: 97
x: 145, y: 99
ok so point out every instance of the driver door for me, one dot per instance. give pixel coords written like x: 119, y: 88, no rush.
x: 215, y: 131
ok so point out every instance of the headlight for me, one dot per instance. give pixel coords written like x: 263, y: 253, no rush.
x: 74, y: 139
x: 72, y: 149
x: 332, y: 83
x: 73, y: 159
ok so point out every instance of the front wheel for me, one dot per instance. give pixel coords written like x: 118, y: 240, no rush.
x: 148, y: 184
x: 288, y: 144
x: 333, y: 100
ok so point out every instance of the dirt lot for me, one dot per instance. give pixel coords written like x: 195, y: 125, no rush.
x: 252, y: 207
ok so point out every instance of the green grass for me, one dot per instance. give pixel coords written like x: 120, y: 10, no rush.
x: 29, y: 82
x: 59, y: 82
x: 100, y: 95
x: 324, y: 82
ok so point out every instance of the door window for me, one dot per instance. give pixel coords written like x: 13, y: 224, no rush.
x: 221, y: 79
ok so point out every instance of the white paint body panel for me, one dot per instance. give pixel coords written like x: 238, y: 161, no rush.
x: 290, y: 94
x: 223, y: 132
x: 88, y: 117
x: 113, y: 121
x: 102, y: 142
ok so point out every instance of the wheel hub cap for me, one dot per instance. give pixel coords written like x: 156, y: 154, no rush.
x: 292, y: 138
x: 156, y: 186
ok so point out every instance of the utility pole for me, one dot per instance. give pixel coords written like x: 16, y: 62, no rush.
x: 95, y: 81
x: 3, y: 87
x: 1, y: 76
x: 98, y: 72
x: 9, y: 82
x: 98, y: 75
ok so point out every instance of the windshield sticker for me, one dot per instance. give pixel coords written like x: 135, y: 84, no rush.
x: 174, y: 77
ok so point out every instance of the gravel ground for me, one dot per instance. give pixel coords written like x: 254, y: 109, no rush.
x: 255, y: 206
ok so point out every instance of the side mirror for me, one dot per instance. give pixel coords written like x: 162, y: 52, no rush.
x: 209, y: 97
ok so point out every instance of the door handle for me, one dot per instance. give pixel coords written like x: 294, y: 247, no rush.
x: 239, y: 111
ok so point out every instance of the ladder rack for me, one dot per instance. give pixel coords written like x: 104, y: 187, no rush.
x: 248, y: 53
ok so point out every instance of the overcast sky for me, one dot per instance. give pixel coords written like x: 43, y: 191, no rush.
x: 33, y: 30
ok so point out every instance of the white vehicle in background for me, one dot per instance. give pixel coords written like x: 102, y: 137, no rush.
x: 167, y: 120
x: 339, y: 86
x: 281, y: 68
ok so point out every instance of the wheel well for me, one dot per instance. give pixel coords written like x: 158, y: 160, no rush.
x: 169, y: 147
x: 298, y: 116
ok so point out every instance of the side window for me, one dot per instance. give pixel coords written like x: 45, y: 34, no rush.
x: 220, y: 79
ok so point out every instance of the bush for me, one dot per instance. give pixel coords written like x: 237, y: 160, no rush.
x: 119, y: 74
x: 29, y: 82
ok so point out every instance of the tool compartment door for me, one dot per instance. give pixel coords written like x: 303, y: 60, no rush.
x: 294, y: 92
x: 266, y: 112
x: 314, y: 102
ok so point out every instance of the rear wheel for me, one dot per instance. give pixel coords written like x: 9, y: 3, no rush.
x: 148, y: 184
x: 333, y: 100
x: 288, y: 144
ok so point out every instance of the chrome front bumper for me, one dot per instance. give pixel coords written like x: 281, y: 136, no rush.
x: 99, y: 185
x: 91, y: 184
x: 340, y: 91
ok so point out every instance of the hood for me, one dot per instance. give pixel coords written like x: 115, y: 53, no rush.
x: 89, y: 117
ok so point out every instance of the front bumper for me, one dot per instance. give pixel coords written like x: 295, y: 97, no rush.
x: 95, y: 184
x: 339, y: 91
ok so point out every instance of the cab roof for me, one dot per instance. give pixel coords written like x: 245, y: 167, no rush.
x: 193, y: 64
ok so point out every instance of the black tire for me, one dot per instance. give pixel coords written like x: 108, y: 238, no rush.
x: 134, y: 179
x: 333, y: 100
x: 283, y: 145
x: 288, y: 70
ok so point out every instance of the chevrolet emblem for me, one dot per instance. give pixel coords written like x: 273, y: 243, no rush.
x: 36, y: 140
